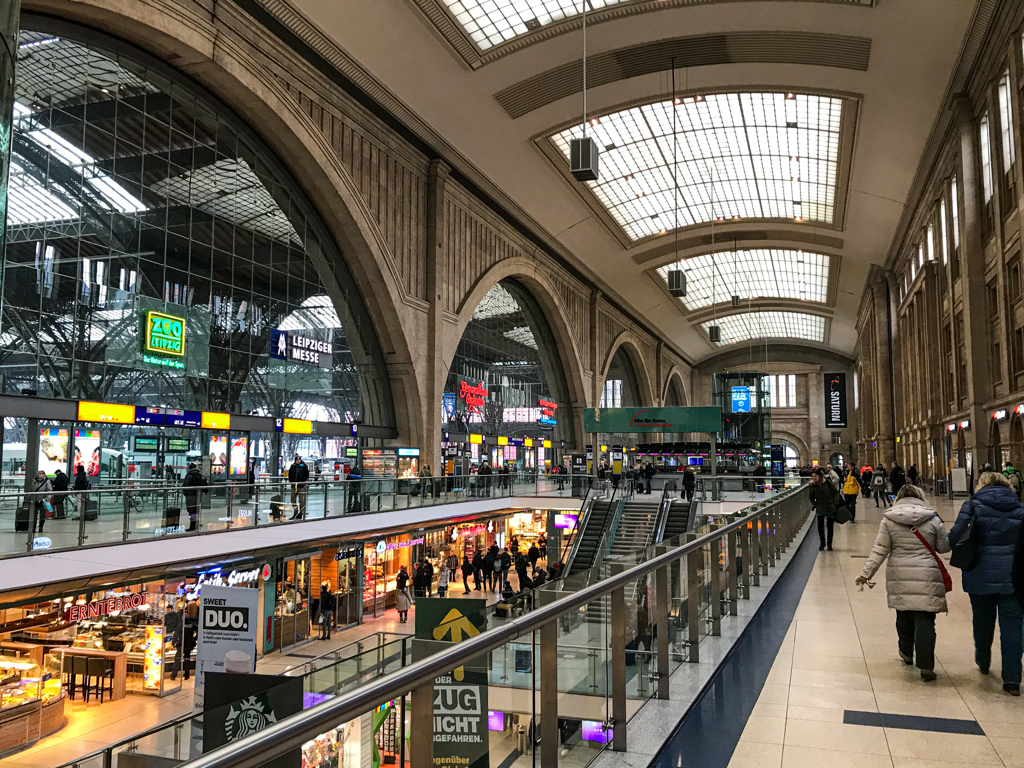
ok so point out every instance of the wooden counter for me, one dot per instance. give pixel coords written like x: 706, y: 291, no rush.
x: 120, y: 659
x: 24, y: 650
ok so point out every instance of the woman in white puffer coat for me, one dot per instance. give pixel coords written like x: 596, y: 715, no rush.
x: 913, y: 579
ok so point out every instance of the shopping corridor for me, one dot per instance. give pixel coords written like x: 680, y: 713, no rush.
x: 838, y: 695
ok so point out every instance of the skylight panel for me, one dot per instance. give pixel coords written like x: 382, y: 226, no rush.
x: 768, y: 325
x: 737, y: 156
x: 759, y: 273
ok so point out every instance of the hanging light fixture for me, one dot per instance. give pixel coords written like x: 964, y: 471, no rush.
x: 676, y: 277
x: 583, y: 153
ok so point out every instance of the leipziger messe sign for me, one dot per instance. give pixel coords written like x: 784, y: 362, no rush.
x: 683, y: 419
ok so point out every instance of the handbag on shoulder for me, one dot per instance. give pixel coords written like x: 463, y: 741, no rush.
x: 947, y: 580
x: 965, y: 551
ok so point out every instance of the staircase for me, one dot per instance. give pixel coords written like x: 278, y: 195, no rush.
x: 677, y: 520
x: 636, y: 526
x: 592, y: 535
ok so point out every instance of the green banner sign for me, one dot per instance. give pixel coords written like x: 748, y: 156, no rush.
x: 460, y: 696
x: 622, y: 420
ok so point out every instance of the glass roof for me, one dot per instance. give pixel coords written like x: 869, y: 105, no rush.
x: 496, y: 303
x: 769, y: 325
x: 737, y: 155
x: 757, y: 273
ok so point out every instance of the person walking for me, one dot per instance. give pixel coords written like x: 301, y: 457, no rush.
x: 499, y: 567
x: 328, y: 605
x: 825, y: 500
x: 40, y: 485
x: 689, y: 482
x: 483, y: 569
x: 909, y: 537
x: 193, y: 485
x: 851, y: 489
x: 402, y: 578
x: 427, y: 569
x: 298, y: 476
x: 996, y: 513
x: 912, y: 474
x: 425, y: 474
x: 1012, y: 475
x: 865, y: 481
x: 402, y: 602
x: 442, y: 582
x: 533, y: 554
x: 897, y: 478
x: 467, y: 571
x: 878, y: 487
x: 832, y: 476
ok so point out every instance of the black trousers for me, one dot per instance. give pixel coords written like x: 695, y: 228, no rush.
x: 916, y: 633
x: 823, y: 520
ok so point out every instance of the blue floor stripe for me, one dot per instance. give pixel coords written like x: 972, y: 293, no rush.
x: 913, y: 722
x: 710, y: 730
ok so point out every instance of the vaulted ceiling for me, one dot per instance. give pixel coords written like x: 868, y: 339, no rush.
x: 764, y: 147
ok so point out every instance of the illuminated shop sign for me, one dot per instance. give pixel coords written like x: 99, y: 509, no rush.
x: 565, y: 522
x: 408, y: 451
x: 951, y: 427
x: 388, y: 546
x: 295, y: 426
x: 999, y: 415
x: 97, y: 608
x: 164, y: 340
x: 547, y: 412
x: 297, y: 348
x: 965, y: 424
x: 215, y: 577
x: 472, y: 395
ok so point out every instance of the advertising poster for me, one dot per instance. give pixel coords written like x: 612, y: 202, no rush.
x: 239, y: 456
x: 239, y: 705
x: 741, y: 399
x: 87, y: 452
x: 460, y: 697
x: 53, y: 450
x: 228, y: 624
x: 218, y: 454
x: 835, y: 400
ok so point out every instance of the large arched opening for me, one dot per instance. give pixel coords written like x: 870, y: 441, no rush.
x: 507, y: 380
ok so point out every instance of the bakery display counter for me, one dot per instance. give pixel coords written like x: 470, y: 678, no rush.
x: 31, y: 701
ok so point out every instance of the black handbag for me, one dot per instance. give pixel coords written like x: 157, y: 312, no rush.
x: 965, y: 552
x: 1017, y: 572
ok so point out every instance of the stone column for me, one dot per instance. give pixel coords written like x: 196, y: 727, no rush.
x: 884, y: 383
x: 10, y: 16
x: 437, y: 365
x: 972, y: 268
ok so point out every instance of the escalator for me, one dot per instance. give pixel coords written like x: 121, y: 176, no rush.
x: 677, y: 519
x: 636, y: 526
x: 584, y: 553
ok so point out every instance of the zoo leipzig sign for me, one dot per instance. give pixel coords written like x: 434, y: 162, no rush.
x: 623, y: 420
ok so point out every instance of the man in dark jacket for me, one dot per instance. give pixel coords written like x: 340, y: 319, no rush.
x: 60, y: 483
x: 534, y: 555
x: 482, y: 569
x: 298, y: 476
x: 427, y: 569
x: 328, y: 604
x: 998, y: 516
x: 912, y: 474
x: 689, y: 483
x: 194, y: 484
x: 825, y: 499
x: 467, y: 571
x: 897, y: 477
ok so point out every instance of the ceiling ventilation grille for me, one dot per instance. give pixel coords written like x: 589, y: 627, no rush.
x: 823, y: 50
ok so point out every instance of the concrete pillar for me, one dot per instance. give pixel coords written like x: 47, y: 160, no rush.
x: 437, y: 364
x: 883, y: 384
x: 972, y: 268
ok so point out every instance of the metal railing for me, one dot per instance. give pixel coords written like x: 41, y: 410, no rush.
x: 717, y: 569
x: 143, y: 512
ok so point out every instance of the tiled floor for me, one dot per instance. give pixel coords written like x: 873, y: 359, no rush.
x: 840, y: 654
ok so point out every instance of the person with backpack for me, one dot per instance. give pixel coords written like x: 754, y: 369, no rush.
x: 851, y: 490
x: 909, y: 537
x: 194, y: 481
x: 1015, y: 478
x: 878, y: 487
x: 992, y: 519
x: 40, y: 485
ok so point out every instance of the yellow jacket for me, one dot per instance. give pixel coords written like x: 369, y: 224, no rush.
x: 851, y: 486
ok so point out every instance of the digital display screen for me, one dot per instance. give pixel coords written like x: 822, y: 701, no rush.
x: 294, y: 426
x: 218, y: 454
x: 109, y: 413
x: 593, y: 730
x: 741, y: 399
x: 239, y: 455
x: 53, y: 450
x: 175, y: 418
x: 87, y: 451
x: 146, y: 444
x: 696, y: 461
x: 214, y: 420
x: 351, y: 453
x: 178, y: 445
x: 565, y: 522
x: 408, y: 451
x: 495, y: 720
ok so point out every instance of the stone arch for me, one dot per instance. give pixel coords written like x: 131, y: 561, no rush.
x: 675, y: 376
x: 539, y: 285
x: 632, y: 345
x: 796, y: 441
x: 192, y: 46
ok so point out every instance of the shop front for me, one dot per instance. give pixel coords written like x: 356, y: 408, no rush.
x: 526, y: 529
x: 382, y: 560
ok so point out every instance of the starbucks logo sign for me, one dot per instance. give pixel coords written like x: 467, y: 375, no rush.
x: 248, y: 716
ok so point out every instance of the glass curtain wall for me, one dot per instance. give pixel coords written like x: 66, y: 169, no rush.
x: 508, y: 347
x: 133, y: 193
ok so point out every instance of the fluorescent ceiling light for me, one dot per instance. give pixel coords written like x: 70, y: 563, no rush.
x: 769, y: 325
x: 756, y: 273
x: 738, y: 156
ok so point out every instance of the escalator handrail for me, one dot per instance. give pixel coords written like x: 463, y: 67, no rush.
x: 568, y: 553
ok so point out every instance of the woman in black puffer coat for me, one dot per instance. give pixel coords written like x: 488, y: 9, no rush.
x: 997, y: 514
